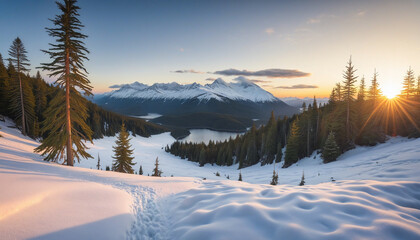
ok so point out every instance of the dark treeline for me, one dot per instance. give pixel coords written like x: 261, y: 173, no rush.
x: 355, y: 115
x: 37, y: 96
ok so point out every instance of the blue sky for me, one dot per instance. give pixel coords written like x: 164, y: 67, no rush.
x: 148, y: 41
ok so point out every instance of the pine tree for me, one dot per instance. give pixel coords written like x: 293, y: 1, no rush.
x: 156, y: 171
x: 338, y: 92
x: 98, y: 165
x: 362, y: 90
x: 18, y: 58
x: 333, y: 97
x: 123, y: 153
x: 374, y: 91
x: 240, y: 176
x: 302, y: 181
x: 349, y: 90
x: 274, y: 178
x: 202, y: 157
x: 292, y: 147
x: 141, y: 170
x: 4, y: 88
x: 408, y: 84
x: 331, y: 150
x: 66, y: 117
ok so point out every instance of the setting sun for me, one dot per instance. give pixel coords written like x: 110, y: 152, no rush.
x: 390, y: 91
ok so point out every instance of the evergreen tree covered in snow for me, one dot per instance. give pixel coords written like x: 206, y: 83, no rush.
x: 331, y: 150
x: 123, y: 159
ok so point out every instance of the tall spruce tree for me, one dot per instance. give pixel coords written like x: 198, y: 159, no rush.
x: 66, y: 117
x: 409, y: 84
x: 348, y: 92
x: 362, y: 90
x: 292, y: 147
x: 374, y: 91
x: 331, y: 151
x: 123, y: 153
x: 18, y: 58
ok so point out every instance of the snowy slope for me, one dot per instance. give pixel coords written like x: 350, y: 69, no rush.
x: 219, y: 90
x: 363, y: 163
x: 376, y: 196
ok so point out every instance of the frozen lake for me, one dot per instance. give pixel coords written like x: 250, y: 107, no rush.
x: 205, y: 135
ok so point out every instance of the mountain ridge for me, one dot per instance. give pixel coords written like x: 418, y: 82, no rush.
x: 242, y: 89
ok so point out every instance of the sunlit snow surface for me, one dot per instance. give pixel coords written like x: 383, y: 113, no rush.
x: 376, y: 195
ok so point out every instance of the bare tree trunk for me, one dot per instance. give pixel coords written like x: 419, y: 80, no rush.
x: 68, y: 123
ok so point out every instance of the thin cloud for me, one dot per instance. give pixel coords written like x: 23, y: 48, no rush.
x: 210, y: 79
x: 361, y: 13
x: 319, y: 18
x: 271, y: 73
x: 259, y: 81
x: 313, y: 21
x: 269, y: 31
x: 298, y: 86
x: 188, y: 71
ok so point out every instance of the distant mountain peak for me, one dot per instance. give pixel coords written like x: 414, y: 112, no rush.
x: 242, y: 89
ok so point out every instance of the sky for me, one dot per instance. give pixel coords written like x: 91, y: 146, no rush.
x: 290, y: 48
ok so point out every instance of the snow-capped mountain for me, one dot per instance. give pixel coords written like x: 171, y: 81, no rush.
x: 214, y: 106
x: 219, y: 90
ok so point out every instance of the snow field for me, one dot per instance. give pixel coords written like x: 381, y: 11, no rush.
x: 343, y: 210
x: 376, y: 195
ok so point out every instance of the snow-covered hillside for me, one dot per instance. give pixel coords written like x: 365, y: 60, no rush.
x: 375, y: 196
x: 242, y: 89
